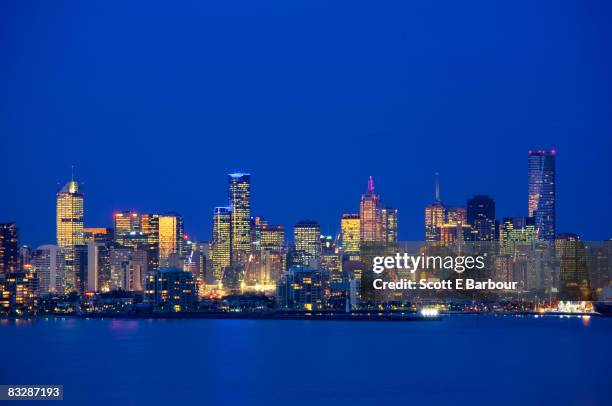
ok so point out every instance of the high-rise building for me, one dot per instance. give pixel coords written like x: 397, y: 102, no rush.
x: 170, y: 236
x: 481, y: 217
x: 570, y: 252
x: 25, y: 257
x: 456, y: 215
x: 128, y: 268
x: 389, y: 224
x: 370, y: 215
x: 221, y: 244
x: 307, y: 240
x: 49, y: 264
x: 70, y: 227
x: 272, y: 237
x: 435, y: 216
x: 126, y: 222
x: 240, y: 203
x: 515, y: 231
x: 350, y: 227
x: 149, y: 224
x: 98, y: 267
x: 9, y: 248
x: 542, y: 192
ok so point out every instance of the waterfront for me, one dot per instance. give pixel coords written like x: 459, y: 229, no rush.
x: 463, y: 359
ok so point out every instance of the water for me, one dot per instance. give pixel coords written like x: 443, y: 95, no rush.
x: 460, y: 360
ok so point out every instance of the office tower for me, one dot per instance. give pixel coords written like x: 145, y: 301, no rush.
x: 273, y: 264
x: 149, y: 224
x: 481, y: 216
x: 573, y: 273
x: 331, y: 259
x: 126, y: 222
x: 350, y: 227
x: 240, y: 203
x: 370, y: 215
x: 599, y: 264
x: 25, y: 257
x: 272, y: 237
x: 98, y: 267
x: 9, y: 248
x: 69, y: 227
x: 301, y: 288
x: 307, y: 240
x: 81, y: 267
x: 49, y: 264
x: 128, y: 268
x: 98, y: 234
x: 222, y: 241
x: 434, y: 216
x: 170, y: 290
x: 196, y: 257
x: 170, y: 236
x: 516, y: 231
x: 18, y: 293
x: 456, y: 215
x: 389, y: 224
x: 257, y: 223
x: 542, y: 192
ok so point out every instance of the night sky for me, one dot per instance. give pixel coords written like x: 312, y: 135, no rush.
x: 154, y: 103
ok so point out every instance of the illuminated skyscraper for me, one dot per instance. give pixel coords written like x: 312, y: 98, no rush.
x: 307, y: 239
x: 516, y: 231
x: 125, y: 222
x: 222, y: 240
x: 434, y: 216
x: 389, y: 224
x: 170, y: 236
x: 69, y: 227
x: 456, y: 215
x: 481, y: 216
x: 571, y: 253
x: 240, y: 203
x: 149, y: 224
x: 370, y: 215
x: 272, y: 237
x: 542, y: 192
x: 9, y: 248
x: 350, y: 226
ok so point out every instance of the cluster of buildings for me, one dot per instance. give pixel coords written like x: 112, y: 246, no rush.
x: 149, y: 254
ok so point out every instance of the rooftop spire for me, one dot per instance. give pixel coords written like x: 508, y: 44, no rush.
x: 371, y: 185
x: 437, y: 187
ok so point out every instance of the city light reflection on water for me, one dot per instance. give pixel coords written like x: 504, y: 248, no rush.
x: 214, y: 354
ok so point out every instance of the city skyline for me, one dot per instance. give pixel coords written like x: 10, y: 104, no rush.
x: 326, y: 228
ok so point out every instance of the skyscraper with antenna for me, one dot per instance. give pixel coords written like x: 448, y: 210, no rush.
x: 370, y: 215
x: 69, y: 227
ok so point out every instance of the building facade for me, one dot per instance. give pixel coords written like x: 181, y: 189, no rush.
x: 9, y: 248
x: 542, y: 192
x: 240, y: 203
x: 69, y: 227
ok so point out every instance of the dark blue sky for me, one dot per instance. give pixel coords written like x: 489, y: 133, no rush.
x: 155, y: 102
